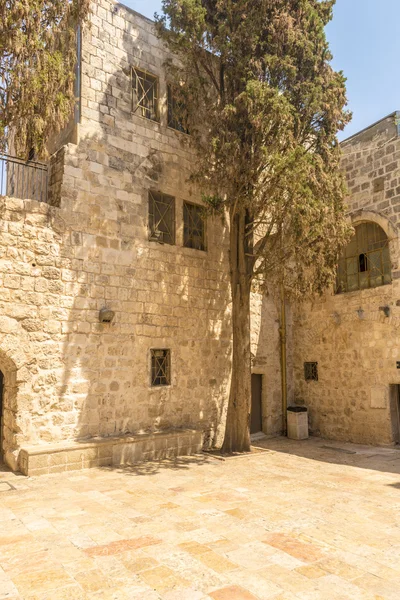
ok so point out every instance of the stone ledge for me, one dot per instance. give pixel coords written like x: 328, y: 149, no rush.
x: 112, y: 451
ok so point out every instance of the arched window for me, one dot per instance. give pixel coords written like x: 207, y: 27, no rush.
x: 365, y: 262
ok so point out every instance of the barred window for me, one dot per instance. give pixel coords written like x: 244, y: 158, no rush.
x: 176, y: 110
x: 160, y: 367
x: 365, y: 262
x: 193, y: 226
x: 161, y: 218
x: 311, y: 371
x: 145, y: 94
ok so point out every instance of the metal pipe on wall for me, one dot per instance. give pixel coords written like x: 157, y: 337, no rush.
x: 283, y: 360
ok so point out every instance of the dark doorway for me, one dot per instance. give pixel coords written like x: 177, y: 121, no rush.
x: 1, y: 413
x: 395, y: 412
x: 256, y: 400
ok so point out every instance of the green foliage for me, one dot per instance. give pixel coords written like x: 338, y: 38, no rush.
x: 258, y: 74
x: 37, y: 62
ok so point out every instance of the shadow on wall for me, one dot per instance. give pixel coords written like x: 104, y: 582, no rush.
x: 8, y: 401
x: 266, y: 357
x: 163, y: 296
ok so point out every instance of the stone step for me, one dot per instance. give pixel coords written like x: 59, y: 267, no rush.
x: 106, y: 452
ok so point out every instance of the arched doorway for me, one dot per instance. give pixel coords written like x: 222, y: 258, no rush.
x: 1, y: 413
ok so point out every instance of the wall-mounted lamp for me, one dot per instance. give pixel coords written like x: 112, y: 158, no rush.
x: 385, y: 310
x: 106, y: 315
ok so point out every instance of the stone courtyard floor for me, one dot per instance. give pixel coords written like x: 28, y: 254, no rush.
x: 292, y: 521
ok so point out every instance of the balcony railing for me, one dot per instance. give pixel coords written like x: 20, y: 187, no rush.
x: 23, y: 179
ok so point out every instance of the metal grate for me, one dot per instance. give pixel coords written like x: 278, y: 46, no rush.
x: 160, y: 367
x: 311, y: 371
x: 161, y: 218
x: 176, y: 110
x: 145, y: 94
x: 193, y: 226
x: 22, y: 179
x: 365, y: 262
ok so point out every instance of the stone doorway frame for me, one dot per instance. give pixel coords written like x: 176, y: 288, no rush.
x: 9, y: 410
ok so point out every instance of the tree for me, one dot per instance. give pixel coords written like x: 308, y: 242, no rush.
x: 258, y: 74
x: 37, y: 63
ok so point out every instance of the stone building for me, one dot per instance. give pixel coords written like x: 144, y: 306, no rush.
x: 346, y: 347
x: 115, y: 332
x: 122, y: 231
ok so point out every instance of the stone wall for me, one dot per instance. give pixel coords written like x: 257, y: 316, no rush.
x: 68, y: 377
x: 266, y: 357
x: 55, y: 177
x: 355, y: 344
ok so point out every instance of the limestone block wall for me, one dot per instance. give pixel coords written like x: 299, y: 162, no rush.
x: 68, y: 377
x: 355, y: 344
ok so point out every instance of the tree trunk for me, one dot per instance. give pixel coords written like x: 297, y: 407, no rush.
x: 237, y: 432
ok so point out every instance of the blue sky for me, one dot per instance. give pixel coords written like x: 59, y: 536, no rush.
x: 365, y: 42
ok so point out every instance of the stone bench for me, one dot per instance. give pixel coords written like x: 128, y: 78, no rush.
x: 106, y: 452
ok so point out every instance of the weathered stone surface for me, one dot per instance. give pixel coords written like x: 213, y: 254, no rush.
x: 355, y: 344
x: 266, y: 526
x: 112, y: 451
x: 67, y: 376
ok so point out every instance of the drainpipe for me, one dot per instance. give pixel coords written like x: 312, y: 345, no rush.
x: 282, y: 332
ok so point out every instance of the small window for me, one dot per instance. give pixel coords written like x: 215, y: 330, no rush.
x: 365, y: 262
x: 193, y: 226
x: 311, y: 371
x: 161, y: 218
x: 176, y: 110
x: 145, y: 94
x: 160, y: 367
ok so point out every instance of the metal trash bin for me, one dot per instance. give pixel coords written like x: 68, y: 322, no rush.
x: 297, y: 423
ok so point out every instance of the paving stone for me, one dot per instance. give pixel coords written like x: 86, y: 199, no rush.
x: 314, y: 530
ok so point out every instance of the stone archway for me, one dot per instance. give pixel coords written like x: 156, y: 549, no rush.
x: 1, y: 414
x: 8, y: 408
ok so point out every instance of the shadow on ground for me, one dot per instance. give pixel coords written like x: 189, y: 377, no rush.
x: 386, y: 460
x: 183, y: 463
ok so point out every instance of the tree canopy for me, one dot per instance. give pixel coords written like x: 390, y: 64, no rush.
x: 37, y: 63
x: 263, y: 107
x: 258, y: 73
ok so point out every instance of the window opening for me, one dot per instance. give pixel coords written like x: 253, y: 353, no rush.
x: 311, y: 371
x: 160, y: 367
x: 193, y: 226
x: 145, y: 94
x: 176, y: 110
x: 365, y: 262
x: 162, y: 218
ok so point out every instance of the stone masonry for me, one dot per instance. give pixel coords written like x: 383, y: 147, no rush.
x: 354, y: 336
x: 72, y: 383
x: 67, y: 376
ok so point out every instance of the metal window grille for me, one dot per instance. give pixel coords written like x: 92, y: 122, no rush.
x: 311, y: 371
x: 160, y: 367
x: 176, y: 110
x: 145, y: 94
x: 161, y: 218
x: 23, y: 179
x: 193, y: 226
x: 365, y: 262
